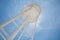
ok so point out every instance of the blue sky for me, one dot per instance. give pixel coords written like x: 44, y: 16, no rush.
x: 48, y: 22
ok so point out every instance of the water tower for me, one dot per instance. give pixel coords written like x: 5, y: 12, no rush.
x: 30, y: 15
